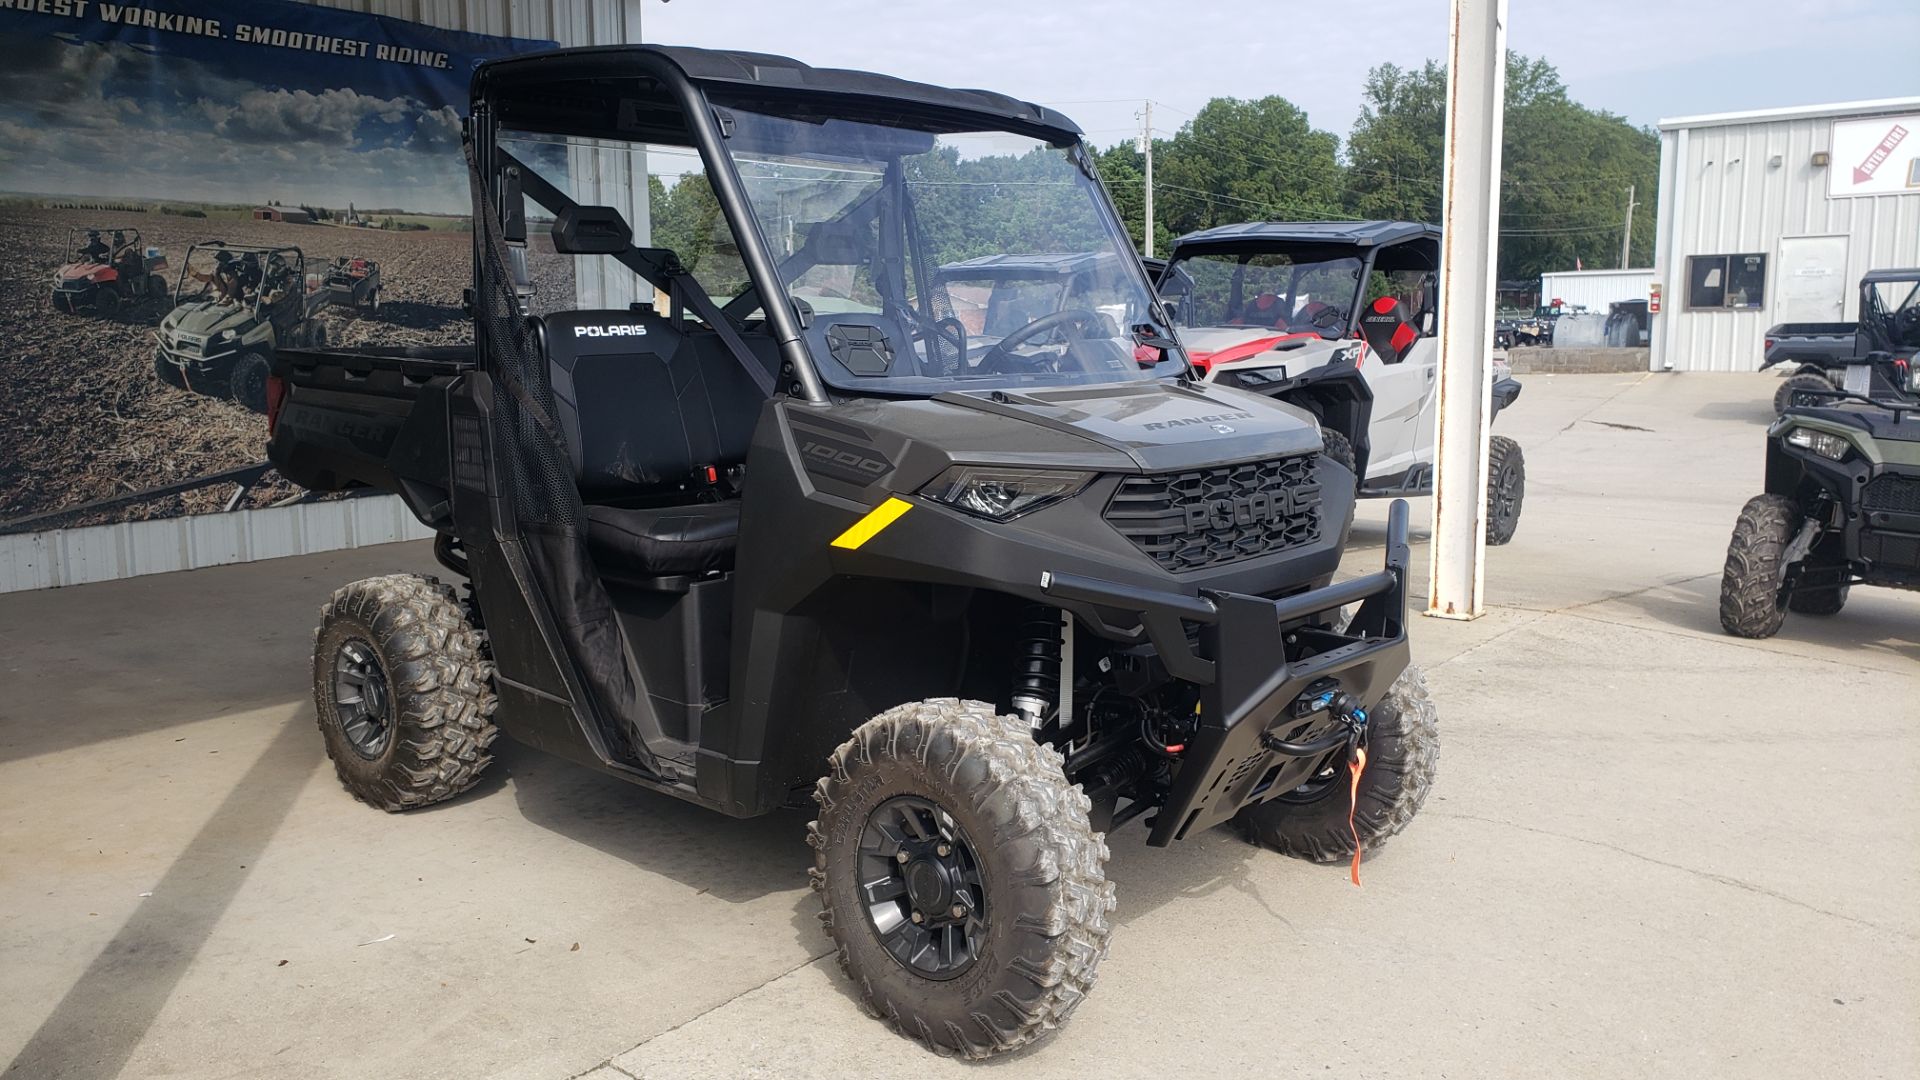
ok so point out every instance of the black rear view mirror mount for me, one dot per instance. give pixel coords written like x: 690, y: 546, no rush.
x: 591, y: 230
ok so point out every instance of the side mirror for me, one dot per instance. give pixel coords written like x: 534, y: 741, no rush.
x: 591, y: 230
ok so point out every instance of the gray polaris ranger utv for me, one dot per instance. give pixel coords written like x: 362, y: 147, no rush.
x: 791, y: 533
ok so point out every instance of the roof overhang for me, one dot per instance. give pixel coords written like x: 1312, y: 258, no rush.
x: 747, y: 77
x: 1838, y: 110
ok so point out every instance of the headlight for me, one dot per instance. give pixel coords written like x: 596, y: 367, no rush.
x: 221, y: 338
x: 1826, y: 444
x: 1003, y: 494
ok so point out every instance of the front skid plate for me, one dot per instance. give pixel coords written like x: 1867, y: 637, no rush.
x: 1248, y: 684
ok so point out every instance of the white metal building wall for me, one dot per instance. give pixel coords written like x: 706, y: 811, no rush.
x: 104, y: 552
x: 1720, y: 194
x: 1595, y: 289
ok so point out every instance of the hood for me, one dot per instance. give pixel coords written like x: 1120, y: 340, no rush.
x: 207, y: 317
x: 76, y: 270
x: 1161, y: 425
x: 1209, y: 346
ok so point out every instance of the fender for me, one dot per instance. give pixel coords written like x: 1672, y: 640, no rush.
x: 1336, y: 394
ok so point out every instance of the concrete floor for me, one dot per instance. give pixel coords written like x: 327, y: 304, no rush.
x: 1634, y: 863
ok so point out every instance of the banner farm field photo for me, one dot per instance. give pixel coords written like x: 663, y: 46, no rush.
x: 184, y: 190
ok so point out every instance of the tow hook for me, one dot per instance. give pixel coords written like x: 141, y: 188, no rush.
x: 1350, y: 732
x: 1343, y: 707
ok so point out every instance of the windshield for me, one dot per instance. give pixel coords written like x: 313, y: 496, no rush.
x: 1269, y: 291
x: 926, y: 262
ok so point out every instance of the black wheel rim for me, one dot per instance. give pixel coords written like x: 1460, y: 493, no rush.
x: 362, y: 699
x: 921, y: 886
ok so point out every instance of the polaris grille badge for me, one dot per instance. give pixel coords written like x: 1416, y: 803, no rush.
x: 614, y: 330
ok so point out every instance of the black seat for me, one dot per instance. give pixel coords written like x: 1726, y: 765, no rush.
x: 665, y: 540
x: 646, y: 407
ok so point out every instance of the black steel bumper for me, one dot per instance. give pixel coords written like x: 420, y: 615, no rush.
x: 1505, y: 393
x: 1260, y: 669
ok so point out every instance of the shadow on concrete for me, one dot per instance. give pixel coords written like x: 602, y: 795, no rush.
x: 1759, y: 413
x: 92, y: 663
x: 737, y: 860
x: 1875, y: 620
x: 96, y: 1026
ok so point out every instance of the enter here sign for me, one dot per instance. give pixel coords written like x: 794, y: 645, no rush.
x: 1880, y: 156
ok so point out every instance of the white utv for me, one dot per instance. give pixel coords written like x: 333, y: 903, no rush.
x: 1339, y: 318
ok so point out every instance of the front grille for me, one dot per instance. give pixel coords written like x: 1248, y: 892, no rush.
x: 1895, y: 494
x: 1207, y: 517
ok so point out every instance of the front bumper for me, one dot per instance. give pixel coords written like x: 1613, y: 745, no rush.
x: 206, y: 366
x: 1505, y: 392
x: 1257, y: 661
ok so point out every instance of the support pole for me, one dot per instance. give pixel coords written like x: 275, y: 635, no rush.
x: 1476, y: 91
x: 1626, y: 231
x: 1146, y: 147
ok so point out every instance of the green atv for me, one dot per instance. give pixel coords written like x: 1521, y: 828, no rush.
x: 233, y: 306
x: 1842, y: 508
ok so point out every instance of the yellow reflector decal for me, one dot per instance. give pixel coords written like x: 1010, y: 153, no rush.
x: 869, y: 527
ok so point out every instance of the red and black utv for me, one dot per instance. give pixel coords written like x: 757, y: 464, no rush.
x: 103, y: 268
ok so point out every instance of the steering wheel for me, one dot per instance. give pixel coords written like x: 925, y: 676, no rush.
x: 1000, y: 358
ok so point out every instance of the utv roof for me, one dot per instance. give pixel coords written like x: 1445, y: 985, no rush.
x: 1345, y: 233
x: 762, y: 75
x: 1014, y: 265
x: 1911, y: 273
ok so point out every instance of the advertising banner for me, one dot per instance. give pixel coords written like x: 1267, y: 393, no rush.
x: 184, y: 189
x: 1880, y: 156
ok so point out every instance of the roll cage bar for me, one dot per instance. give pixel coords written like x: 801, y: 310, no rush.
x: 298, y: 263
x: 645, y: 93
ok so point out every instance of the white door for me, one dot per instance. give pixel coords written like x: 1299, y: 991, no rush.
x: 1402, y: 394
x: 1812, y: 284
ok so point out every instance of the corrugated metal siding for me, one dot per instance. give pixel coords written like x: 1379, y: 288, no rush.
x: 569, y: 22
x: 1595, y: 289
x: 1719, y: 196
x: 105, y: 552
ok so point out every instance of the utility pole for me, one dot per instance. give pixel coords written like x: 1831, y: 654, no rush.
x: 1145, y: 146
x: 1626, y: 233
x: 1469, y: 239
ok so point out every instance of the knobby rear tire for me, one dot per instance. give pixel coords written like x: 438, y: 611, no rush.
x: 441, y: 687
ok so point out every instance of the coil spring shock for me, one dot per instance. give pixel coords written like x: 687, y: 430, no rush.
x: 1036, y: 680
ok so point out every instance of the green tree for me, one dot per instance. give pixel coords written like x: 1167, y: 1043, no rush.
x: 1234, y: 161
x: 1565, y: 168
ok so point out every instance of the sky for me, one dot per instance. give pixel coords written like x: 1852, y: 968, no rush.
x: 1642, y: 59
x: 88, y: 111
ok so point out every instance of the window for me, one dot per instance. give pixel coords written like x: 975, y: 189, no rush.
x: 1727, y: 281
x: 678, y: 211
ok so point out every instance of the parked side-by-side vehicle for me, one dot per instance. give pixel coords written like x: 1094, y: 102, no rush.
x: 1841, y: 508
x: 104, y: 268
x: 1871, y: 357
x: 818, y: 530
x: 1339, y: 318
x: 234, y: 305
